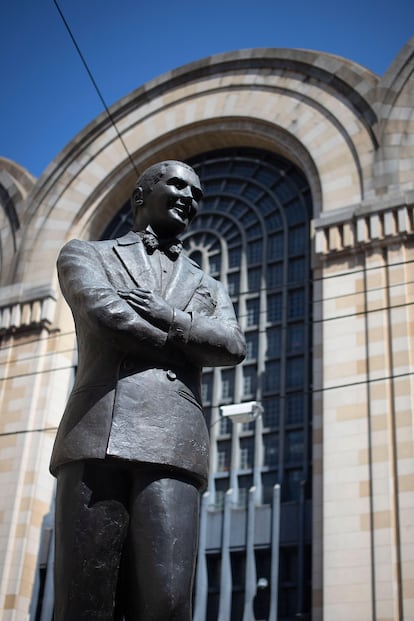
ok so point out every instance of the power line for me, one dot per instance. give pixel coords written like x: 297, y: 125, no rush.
x: 96, y: 87
x: 307, y: 391
x: 276, y: 323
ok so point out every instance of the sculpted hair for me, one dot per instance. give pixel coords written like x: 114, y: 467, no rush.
x: 151, y: 176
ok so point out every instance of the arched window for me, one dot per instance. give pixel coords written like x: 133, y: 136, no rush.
x: 252, y: 233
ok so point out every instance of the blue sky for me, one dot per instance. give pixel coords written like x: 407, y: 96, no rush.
x: 47, y: 97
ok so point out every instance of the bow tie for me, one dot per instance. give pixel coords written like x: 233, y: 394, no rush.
x: 170, y: 247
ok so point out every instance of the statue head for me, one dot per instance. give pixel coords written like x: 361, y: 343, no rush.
x: 166, y: 197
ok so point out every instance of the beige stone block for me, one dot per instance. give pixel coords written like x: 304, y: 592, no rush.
x: 7, y: 465
x: 378, y: 453
x: 364, y: 489
x: 351, y: 412
x: 379, y: 421
x: 10, y: 601
x: 382, y: 519
x: 405, y: 450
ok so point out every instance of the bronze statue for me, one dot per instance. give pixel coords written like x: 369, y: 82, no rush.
x: 131, y: 452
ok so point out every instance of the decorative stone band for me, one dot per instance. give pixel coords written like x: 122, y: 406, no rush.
x: 349, y: 229
x: 25, y: 308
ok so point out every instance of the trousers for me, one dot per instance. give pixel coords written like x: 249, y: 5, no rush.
x: 125, y: 541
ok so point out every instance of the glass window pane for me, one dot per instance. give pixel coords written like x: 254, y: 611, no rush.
x: 214, y: 263
x: 254, y: 278
x: 235, y: 257
x: 296, y: 303
x: 291, y: 488
x: 224, y: 426
x: 274, y: 336
x: 294, y: 446
x: 251, y: 345
x: 249, y: 381
x: 295, y: 409
x: 297, y: 240
x: 284, y: 189
x: 227, y: 384
x: 296, y: 270
x: 275, y: 247
x: 272, y: 376
x: 271, y: 449
x: 271, y: 413
x: 233, y: 283
x: 274, y: 275
x: 295, y: 337
x: 252, y: 312
x: 246, y: 453
x: 274, y: 307
x: 254, y: 231
x: 295, y: 370
x: 252, y: 192
x: 248, y: 218
x: 254, y: 252
x: 223, y: 457
x: 295, y: 212
x: 206, y: 386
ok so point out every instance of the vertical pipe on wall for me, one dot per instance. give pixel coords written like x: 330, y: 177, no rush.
x: 274, y: 570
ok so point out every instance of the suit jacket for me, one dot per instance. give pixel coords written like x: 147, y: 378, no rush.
x: 137, y: 390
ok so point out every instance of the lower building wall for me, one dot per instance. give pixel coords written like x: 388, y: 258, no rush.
x: 368, y: 431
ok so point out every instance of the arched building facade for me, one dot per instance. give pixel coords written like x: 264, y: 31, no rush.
x: 308, y: 165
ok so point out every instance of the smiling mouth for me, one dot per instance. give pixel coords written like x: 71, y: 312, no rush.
x: 182, y: 211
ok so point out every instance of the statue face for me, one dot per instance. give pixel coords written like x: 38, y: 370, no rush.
x: 173, y: 202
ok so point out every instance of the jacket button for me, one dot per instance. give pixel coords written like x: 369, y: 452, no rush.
x: 171, y: 375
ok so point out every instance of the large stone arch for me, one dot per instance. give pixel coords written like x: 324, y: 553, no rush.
x: 307, y: 106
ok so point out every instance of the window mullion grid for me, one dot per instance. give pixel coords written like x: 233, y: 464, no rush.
x: 283, y: 351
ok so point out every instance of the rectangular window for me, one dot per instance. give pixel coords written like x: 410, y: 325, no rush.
x: 214, y: 263
x: 291, y: 490
x: 274, y: 275
x: 275, y: 247
x: 295, y: 372
x: 294, y: 446
x: 274, y: 336
x: 271, y: 449
x: 251, y: 345
x: 206, y: 387
x: 295, y: 337
x: 223, y: 456
x: 249, y: 380
x: 296, y: 303
x: 274, y: 307
x: 296, y: 270
x: 233, y: 283
x: 227, y: 384
x: 295, y: 410
x: 252, y: 312
x: 246, y: 453
x: 254, y: 279
x: 297, y: 240
x: 234, y: 257
x: 224, y: 426
x: 254, y: 252
x: 271, y: 414
x: 272, y: 376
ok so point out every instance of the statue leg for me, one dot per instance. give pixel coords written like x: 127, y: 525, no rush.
x: 91, y: 526
x: 162, y: 546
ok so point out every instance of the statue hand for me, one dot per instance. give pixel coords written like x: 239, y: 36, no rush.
x: 149, y: 305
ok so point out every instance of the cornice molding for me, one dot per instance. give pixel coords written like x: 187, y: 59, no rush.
x: 360, y: 226
x: 26, y: 309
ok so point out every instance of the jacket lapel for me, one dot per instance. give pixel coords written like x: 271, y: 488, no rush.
x: 131, y: 251
x: 185, y: 279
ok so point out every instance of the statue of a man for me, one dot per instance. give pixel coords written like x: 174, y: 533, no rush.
x: 131, y: 453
